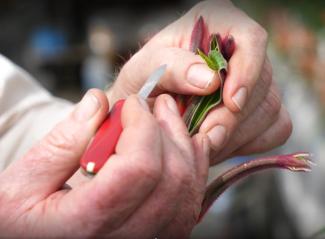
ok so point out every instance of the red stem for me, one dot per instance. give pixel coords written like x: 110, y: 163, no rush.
x: 294, y: 162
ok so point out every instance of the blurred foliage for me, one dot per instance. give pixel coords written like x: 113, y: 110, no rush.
x: 311, y: 12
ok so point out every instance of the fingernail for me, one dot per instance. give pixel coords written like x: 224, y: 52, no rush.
x: 240, y: 97
x: 171, y: 105
x: 217, y: 136
x: 87, y: 107
x: 144, y: 104
x: 199, y: 75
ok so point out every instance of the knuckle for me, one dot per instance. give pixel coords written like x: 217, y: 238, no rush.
x: 239, y: 136
x: 176, y: 60
x: 258, y: 34
x: 283, y: 129
x: 267, y: 74
x: 148, y: 169
x: 182, y: 175
x: 141, y: 120
x: 263, y: 34
x: 60, y: 141
x: 268, y: 66
x: 286, y: 126
x: 272, y: 103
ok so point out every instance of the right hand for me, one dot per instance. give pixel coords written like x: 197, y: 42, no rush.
x: 252, y: 118
x: 152, y: 187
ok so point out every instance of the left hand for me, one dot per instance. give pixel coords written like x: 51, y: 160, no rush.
x: 251, y: 121
x: 152, y: 186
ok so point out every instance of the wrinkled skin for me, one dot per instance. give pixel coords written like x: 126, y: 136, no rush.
x: 152, y: 186
x: 257, y: 123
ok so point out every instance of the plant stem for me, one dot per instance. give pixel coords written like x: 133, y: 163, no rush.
x: 298, y: 162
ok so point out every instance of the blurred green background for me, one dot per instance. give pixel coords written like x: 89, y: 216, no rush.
x: 70, y: 46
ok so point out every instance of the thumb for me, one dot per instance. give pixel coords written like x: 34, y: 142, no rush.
x: 49, y: 164
x: 186, y: 73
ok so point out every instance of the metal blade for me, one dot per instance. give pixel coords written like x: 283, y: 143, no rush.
x: 152, y: 81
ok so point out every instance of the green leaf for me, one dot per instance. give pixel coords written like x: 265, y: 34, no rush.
x: 207, y: 59
x: 200, y: 106
x: 199, y: 112
x: 217, y: 58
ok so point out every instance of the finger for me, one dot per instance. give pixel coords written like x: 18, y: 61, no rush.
x: 50, y: 163
x: 186, y: 72
x: 169, y: 119
x: 275, y: 136
x: 201, y: 144
x: 222, y: 122
x: 162, y: 204
x: 250, y: 38
x: 179, y: 174
x: 255, y: 124
x: 245, y: 65
x: 79, y: 177
x: 128, y: 177
x: 219, y: 125
x: 167, y: 114
x: 188, y: 212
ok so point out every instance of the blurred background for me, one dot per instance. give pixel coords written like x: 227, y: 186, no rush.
x: 70, y: 46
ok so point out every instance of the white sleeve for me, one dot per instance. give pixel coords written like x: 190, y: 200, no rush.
x: 27, y: 112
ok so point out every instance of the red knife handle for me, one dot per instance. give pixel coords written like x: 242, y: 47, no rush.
x: 104, y: 142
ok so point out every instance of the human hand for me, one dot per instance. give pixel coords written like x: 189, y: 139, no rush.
x: 152, y: 187
x: 252, y: 118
